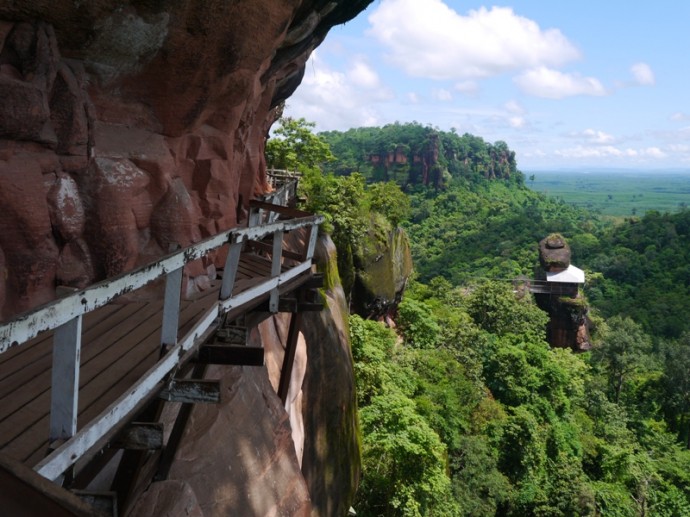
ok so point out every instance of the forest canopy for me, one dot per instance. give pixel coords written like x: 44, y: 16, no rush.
x: 465, y: 409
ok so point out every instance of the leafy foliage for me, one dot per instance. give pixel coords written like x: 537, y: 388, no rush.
x: 413, y: 154
x: 465, y: 409
x: 296, y: 147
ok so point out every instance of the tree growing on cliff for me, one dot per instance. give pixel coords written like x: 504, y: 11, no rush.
x: 296, y: 147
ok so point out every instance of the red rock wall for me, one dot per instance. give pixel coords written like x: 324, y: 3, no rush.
x: 130, y: 127
x: 248, y: 455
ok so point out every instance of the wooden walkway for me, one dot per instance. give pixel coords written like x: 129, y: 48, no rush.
x: 74, y: 373
x: 120, y: 342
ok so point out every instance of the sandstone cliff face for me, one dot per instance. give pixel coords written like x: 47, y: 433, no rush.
x: 131, y: 127
x: 251, y: 456
x: 382, y: 264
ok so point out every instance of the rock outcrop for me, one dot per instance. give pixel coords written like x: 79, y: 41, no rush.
x: 554, y: 253
x: 568, y: 326
x: 382, y: 266
x: 248, y: 455
x: 130, y: 127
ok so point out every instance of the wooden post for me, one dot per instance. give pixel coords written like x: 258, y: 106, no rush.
x: 64, y: 394
x: 230, y: 271
x: 171, y: 308
x: 275, y: 268
x: 289, y: 358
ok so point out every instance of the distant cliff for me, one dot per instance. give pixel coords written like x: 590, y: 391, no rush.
x: 413, y: 154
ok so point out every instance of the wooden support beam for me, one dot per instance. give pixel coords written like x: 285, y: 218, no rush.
x: 292, y: 305
x: 315, y: 282
x: 232, y: 334
x: 168, y: 454
x: 192, y: 391
x: 64, y: 394
x: 231, y: 355
x: 140, y: 436
x: 23, y: 492
x: 104, y: 503
x: 289, y: 358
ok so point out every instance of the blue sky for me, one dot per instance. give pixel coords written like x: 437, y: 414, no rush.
x: 566, y: 84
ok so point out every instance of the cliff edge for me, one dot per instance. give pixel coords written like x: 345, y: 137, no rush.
x: 131, y: 128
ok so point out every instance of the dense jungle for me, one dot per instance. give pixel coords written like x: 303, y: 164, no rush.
x: 464, y: 407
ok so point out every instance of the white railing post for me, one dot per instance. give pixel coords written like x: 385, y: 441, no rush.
x: 64, y: 394
x: 275, y: 268
x: 230, y: 271
x: 254, y: 218
x: 313, y: 235
x: 171, y: 308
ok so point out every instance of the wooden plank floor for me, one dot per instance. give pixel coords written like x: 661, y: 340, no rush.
x: 120, y: 341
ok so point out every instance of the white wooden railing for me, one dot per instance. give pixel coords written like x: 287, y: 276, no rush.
x: 64, y: 316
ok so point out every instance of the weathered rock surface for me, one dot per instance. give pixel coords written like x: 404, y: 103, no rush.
x: 238, y: 456
x: 382, y: 266
x: 168, y: 499
x: 331, y: 461
x: 248, y: 455
x: 568, y: 326
x: 554, y: 253
x: 132, y: 127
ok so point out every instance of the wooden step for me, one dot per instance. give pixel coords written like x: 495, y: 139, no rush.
x: 192, y: 391
x: 231, y: 355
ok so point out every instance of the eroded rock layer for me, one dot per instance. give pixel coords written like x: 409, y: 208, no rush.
x: 129, y: 128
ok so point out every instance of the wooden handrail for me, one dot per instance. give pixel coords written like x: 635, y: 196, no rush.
x: 65, y: 317
x: 49, y: 316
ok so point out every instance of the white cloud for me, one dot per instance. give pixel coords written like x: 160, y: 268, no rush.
x: 339, y: 100
x: 595, y: 152
x: 553, y: 84
x: 596, y: 137
x: 442, y: 95
x: 653, y: 152
x: 413, y: 97
x: 536, y: 153
x: 467, y: 87
x: 513, y: 106
x: 609, y: 151
x: 516, y: 113
x: 679, y: 116
x: 517, y: 122
x: 429, y: 39
x: 643, y: 74
x: 362, y: 75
